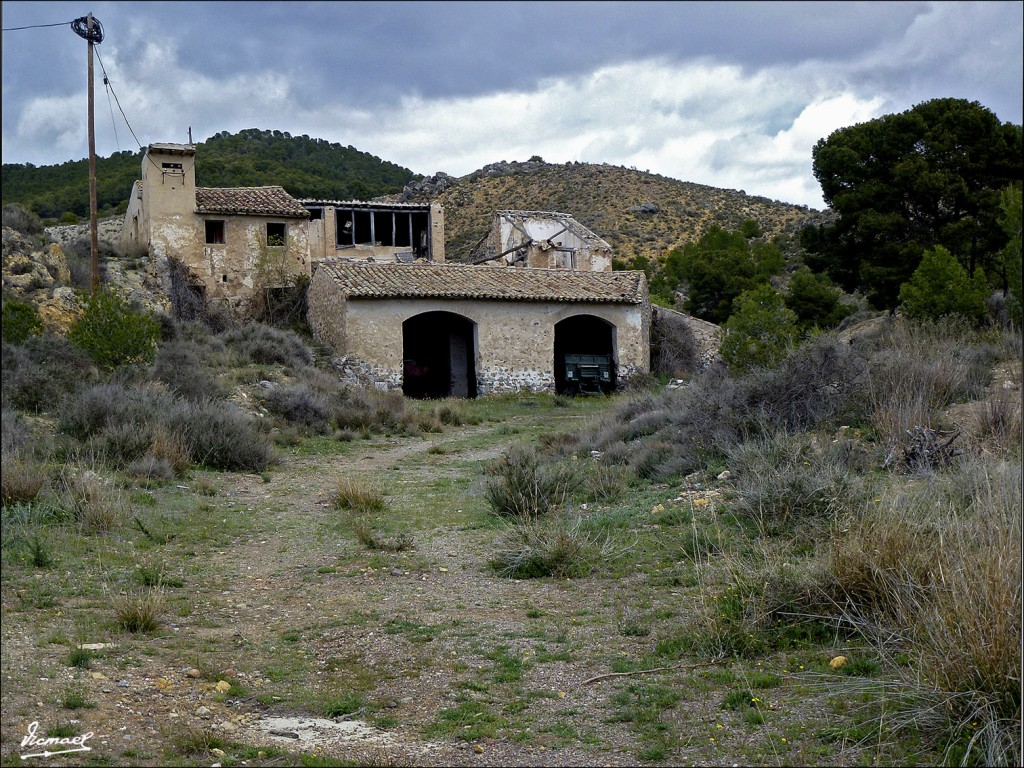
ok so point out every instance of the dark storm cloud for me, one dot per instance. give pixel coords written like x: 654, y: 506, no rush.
x: 731, y: 94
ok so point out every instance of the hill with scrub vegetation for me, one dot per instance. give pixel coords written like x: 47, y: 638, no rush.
x: 642, y: 215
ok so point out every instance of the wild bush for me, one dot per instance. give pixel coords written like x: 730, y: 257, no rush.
x: 219, y: 435
x: 820, y: 383
x: 918, y: 369
x: 21, y: 479
x: 933, y: 570
x: 89, y: 500
x: 23, y: 220
x: 181, y: 365
x: 14, y: 432
x: 551, y: 546
x: 673, y: 349
x: 20, y: 321
x: 112, y: 404
x: 357, y: 496
x: 789, y: 485
x: 299, y: 404
x: 39, y: 373
x: 121, y: 443
x: 759, y: 331
x: 139, y: 611
x: 112, y: 333
x: 940, y: 286
x: 520, y: 486
x: 266, y: 345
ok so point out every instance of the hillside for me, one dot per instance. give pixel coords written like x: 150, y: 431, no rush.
x: 639, y: 214
x: 306, y: 167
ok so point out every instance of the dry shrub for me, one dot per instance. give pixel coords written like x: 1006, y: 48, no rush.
x: 88, y: 500
x: 674, y: 351
x: 604, y: 481
x: 520, y: 486
x: 139, y: 611
x: 299, y: 404
x: 219, y: 435
x: 552, y: 546
x: 450, y: 413
x: 934, y: 570
x: 357, y: 496
x: 921, y: 368
x: 266, y: 345
x: 789, y: 484
x: 999, y: 422
x: 21, y: 480
x: 372, y: 539
x: 171, y: 449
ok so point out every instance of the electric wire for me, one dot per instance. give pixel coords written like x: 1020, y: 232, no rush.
x: 106, y: 82
x: 39, y: 26
x: 110, y: 106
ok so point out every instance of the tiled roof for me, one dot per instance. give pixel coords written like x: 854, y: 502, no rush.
x: 252, y: 201
x: 364, y: 204
x: 461, y: 281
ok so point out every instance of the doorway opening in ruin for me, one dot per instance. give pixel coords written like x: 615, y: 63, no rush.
x: 584, y: 355
x: 438, y: 356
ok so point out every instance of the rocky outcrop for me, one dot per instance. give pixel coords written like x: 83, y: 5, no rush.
x: 42, y: 271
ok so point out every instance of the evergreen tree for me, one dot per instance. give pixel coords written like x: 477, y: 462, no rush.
x: 940, y: 286
x: 906, y: 182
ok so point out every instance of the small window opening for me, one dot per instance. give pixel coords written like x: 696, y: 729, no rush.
x: 224, y: 278
x: 215, y: 232
x: 172, y: 166
x: 275, y: 233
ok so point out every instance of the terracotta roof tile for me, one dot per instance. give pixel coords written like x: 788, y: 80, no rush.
x: 460, y: 281
x: 252, y: 201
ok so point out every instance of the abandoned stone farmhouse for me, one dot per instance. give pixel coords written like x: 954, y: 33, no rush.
x: 539, y: 297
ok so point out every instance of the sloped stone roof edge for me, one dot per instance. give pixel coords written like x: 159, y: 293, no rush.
x: 460, y: 281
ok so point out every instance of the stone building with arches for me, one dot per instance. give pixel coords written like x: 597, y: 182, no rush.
x: 452, y: 330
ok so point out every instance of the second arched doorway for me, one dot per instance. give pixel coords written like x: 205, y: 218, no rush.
x: 584, y: 355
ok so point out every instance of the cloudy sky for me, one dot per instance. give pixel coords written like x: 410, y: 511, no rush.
x: 731, y: 94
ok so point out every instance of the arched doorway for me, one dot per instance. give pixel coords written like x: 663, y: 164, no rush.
x: 584, y: 355
x: 439, y: 356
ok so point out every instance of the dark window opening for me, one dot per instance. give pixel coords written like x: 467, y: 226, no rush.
x: 215, y: 232
x: 384, y: 228
x: 363, y: 225
x: 276, y: 233
x: 439, y: 356
x: 420, y: 225
x: 344, y: 236
x: 172, y: 166
x: 403, y: 230
x: 316, y: 213
x: 223, y: 278
x: 584, y: 355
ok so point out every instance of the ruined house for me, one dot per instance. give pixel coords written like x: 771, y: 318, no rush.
x: 543, y: 240
x: 440, y: 330
x: 232, y: 241
x: 375, y: 232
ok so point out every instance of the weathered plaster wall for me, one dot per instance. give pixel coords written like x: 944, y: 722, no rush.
x: 514, y: 340
x: 540, y: 254
x: 232, y: 270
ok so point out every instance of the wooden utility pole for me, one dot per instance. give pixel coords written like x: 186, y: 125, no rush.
x: 93, y: 233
